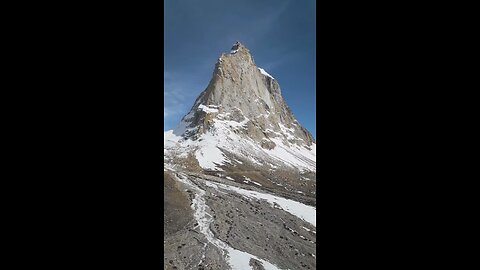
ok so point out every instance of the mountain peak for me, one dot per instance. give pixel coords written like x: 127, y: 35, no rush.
x: 242, y: 114
x: 247, y: 97
x: 238, y: 54
x: 236, y: 45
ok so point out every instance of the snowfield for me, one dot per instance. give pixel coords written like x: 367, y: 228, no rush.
x: 209, y: 147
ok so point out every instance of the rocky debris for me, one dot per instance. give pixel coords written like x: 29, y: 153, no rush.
x: 257, y: 228
x: 185, y: 247
x: 256, y: 265
x: 252, y: 226
x: 267, y: 144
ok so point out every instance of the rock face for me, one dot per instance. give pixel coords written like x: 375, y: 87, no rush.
x: 240, y: 176
x: 239, y: 91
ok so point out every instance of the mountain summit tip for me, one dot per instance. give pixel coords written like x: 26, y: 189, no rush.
x: 236, y: 46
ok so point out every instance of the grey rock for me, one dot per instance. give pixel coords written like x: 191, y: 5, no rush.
x: 238, y: 87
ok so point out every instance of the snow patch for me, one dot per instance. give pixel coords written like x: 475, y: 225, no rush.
x: 170, y: 139
x: 265, y: 73
x: 209, y: 157
x: 308, y: 230
x: 300, y: 210
x: 248, y: 180
x: 207, y: 109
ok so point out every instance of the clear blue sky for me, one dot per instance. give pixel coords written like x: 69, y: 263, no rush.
x: 280, y: 35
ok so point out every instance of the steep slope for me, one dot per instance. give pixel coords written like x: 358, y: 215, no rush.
x: 240, y: 91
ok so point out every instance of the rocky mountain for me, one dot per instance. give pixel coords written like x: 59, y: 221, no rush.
x: 240, y: 176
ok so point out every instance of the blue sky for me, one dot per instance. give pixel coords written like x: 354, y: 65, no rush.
x: 280, y: 35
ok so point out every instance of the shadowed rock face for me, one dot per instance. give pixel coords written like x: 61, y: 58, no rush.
x: 176, y: 210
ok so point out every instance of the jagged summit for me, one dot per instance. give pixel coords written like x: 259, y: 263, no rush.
x: 238, y: 53
x: 245, y: 102
x: 239, y: 88
x: 236, y: 47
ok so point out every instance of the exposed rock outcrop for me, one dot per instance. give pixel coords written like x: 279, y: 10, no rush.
x: 240, y: 90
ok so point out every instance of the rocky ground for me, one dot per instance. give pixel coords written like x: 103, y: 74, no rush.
x: 211, y: 224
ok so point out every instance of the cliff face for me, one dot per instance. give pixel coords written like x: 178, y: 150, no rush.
x: 241, y: 92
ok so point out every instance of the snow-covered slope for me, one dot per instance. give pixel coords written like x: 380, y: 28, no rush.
x: 210, y: 148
